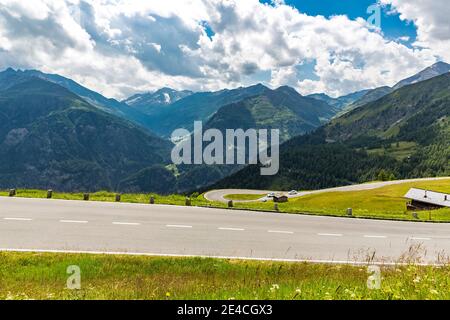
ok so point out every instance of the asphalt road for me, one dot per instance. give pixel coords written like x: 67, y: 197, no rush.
x: 219, y: 195
x: 58, y: 225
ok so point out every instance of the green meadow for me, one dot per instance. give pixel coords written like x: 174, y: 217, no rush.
x: 44, y: 276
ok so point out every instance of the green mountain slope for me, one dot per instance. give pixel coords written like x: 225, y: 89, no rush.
x: 370, y: 96
x: 10, y: 77
x: 284, y: 109
x: 51, y: 138
x: 405, y: 134
x: 435, y: 70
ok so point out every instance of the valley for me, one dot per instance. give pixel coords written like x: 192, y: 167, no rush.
x: 325, y: 142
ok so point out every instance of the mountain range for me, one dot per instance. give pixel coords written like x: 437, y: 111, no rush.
x: 283, y: 108
x: 341, y: 102
x: 56, y: 133
x: 52, y: 138
x: 435, y: 70
x: 405, y: 134
x: 150, y: 102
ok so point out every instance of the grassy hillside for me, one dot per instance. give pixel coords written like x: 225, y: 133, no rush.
x: 51, y: 138
x: 44, y: 276
x: 385, y: 203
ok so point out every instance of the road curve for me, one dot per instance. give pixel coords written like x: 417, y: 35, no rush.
x: 219, y: 195
x: 77, y: 226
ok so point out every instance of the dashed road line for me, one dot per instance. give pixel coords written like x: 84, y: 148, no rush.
x: 231, y: 229
x: 330, y: 234
x: 374, y: 237
x: 178, y: 226
x: 280, y: 232
x: 126, y: 223
x: 74, y: 221
x: 420, y: 238
x: 17, y: 219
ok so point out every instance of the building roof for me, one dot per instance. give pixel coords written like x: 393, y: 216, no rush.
x: 431, y: 197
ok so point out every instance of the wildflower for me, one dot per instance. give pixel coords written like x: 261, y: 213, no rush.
x: 433, y: 291
x: 417, y: 279
x: 275, y: 287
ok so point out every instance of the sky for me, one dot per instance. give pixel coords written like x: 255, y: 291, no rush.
x: 121, y: 47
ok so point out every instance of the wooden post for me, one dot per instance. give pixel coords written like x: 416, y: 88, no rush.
x: 118, y: 197
x: 12, y: 192
x: 188, y: 201
x: 86, y: 197
x: 230, y: 204
x: 49, y: 194
x: 152, y: 200
x: 276, y: 208
x: 350, y: 212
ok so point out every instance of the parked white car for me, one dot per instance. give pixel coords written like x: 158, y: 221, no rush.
x: 293, y: 193
x: 271, y: 195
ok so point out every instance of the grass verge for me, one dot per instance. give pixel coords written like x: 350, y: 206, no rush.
x: 244, y: 197
x: 44, y: 276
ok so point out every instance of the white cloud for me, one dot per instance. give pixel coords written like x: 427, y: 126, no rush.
x: 432, y: 21
x: 119, y: 47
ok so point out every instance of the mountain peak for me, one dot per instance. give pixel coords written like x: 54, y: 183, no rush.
x: 9, y: 70
x: 287, y: 89
x: 441, y: 66
x: 437, y: 69
x: 259, y: 86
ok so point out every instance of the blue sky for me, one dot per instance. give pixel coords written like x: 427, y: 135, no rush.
x: 393, y: 27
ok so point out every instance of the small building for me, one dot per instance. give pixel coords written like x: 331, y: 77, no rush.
x: 280, y: 198
x: 427, y: 200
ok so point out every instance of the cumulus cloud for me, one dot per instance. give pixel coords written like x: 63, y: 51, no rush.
x: 432, y: 21
x: 119, y: 47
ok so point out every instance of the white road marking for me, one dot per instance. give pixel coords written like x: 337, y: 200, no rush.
x: 126, y: 223
x: 178, y: 226
x: 375, y: 237
x: 18, y: 219
x: 281, y: 232
x: 330, y: 234
x: 420, y: 238
x: 73, y: 221
x: 231, y: 229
